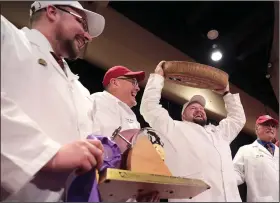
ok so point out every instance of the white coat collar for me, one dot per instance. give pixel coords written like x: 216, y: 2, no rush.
x: 37, y: 38
x: 263, y: 149
x: 112, y: 97
x: 118, y: 101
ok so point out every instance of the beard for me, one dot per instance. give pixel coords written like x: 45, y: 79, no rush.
x: 70, y: 49
x: 68, y: 46
x: 201, y: 122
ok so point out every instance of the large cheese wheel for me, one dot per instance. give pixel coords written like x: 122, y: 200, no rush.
x: 195, y: 75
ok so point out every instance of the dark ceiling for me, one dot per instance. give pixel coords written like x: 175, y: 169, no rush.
x: 245, y: 36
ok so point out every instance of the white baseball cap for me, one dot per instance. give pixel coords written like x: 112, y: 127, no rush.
x: 96, y: 22
x: 196, y: 98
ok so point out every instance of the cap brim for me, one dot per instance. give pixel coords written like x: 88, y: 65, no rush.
x: 140, y: 75
x: 96, y: 23
x: 270, y: 119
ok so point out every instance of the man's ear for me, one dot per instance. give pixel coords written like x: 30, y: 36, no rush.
x: 114, y: 82
x: 256, y: 128
x: 51, y: 13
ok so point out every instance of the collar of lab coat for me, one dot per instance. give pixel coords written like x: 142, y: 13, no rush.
x: 263, y: 149
x: 112, y: 97
x: 118, y: 101
x: 37, y: 38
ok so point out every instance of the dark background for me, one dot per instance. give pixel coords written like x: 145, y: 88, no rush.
x: 245, y: 36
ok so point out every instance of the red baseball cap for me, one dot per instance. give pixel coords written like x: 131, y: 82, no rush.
x: 118, y: 71
x: 265, y: 118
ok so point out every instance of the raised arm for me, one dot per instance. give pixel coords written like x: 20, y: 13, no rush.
x: 153, y: 113
x: 235, y: 120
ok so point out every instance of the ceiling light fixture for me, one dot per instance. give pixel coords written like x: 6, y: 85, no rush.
x: 212, y: 34
x: 216, y: 55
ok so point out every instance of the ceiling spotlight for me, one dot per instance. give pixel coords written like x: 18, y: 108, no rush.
x: 267, y: 76
x: 212, y: 34
x: 269, y: 65
x: 216, y: 55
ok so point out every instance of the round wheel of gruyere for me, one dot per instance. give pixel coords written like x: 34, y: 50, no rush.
x: 195, y: 75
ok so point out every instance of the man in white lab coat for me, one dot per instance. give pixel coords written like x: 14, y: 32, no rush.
x: 197, y: 150
x: 45, y: 116
x: 112, y: 107
x: 257, y: 164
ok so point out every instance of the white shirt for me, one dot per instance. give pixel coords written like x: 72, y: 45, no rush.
x: 41, y: 110
x: 256, y: 166
x: 195, y: 151
x: 109, y: 113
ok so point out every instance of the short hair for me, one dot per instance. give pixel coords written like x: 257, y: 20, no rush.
x: 107, y: 87
x: 35, y: 17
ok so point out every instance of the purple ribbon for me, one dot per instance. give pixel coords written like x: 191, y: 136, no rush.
x: 85, y: 187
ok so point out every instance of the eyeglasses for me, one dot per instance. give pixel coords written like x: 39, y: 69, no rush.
x: 132, y: 80
x: 80, y: 18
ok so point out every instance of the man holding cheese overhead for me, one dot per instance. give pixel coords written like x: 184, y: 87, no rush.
x: 202, y: 151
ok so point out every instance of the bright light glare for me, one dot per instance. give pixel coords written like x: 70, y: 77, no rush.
x: 216, y: 55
